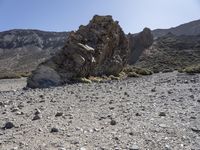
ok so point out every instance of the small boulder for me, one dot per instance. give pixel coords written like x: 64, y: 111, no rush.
x: 53, y: 130
x: 8, y: 125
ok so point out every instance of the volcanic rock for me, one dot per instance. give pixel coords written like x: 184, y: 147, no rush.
x: 138, y: 43
x: 99, y: 48
x: 8, y: 125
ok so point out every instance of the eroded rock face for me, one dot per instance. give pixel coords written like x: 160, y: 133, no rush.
x: 99, y: 48
x: 138, y: 43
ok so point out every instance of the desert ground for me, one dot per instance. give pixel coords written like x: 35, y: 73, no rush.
x: 157, y: 112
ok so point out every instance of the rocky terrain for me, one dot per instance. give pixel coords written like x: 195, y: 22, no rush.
x: 157, y: 112
x: 171, y: 52
x: 22, y: 50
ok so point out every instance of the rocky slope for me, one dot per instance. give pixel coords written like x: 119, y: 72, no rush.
x: 171, y: 52
x: 191, y: 28
x: 22, y: 50
x: 174, y: 48
x: 158, y: 112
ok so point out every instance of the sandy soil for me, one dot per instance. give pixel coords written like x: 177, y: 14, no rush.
x: 158, y: 112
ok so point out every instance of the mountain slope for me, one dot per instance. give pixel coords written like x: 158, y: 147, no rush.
x: 23, y: 50
x: 171, y: 52
x: 191, y: 28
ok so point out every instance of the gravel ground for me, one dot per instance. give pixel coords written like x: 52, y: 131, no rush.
x: 158, y: 112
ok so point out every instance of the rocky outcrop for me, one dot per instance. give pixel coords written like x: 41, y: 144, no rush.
x: 138, y: 43
x: 99, y: 48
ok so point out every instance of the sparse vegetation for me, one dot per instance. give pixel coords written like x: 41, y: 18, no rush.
x: 112, y: 77
x: 132, y: 74
x: 95, y: 79
x: 82, y: 80
x: 192, y: 69
x: 13, y: 75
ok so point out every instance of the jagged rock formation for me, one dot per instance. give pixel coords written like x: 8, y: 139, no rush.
x: 138, y: 43
x: 22, y: 50
x: 191, y: 28
x: 99, y: 48
x: 171, y: 52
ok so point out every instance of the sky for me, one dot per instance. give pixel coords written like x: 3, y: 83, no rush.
x: 67, y: 15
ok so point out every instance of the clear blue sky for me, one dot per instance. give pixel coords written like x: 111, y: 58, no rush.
x: 67, y: 15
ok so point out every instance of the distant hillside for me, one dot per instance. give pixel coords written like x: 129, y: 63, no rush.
x: 23, y: 50
x: 191, y: 28
x: 171, y: 52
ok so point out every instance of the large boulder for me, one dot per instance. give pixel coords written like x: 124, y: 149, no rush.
x: 99, y: 48
x: 138, y: 43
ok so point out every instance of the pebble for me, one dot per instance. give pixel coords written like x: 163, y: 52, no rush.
x: 58, y: 114
x: 113, y: 122
x: 153, y: 90
x: 19, y: 113
x: 37, y: 112
x: 134, y: 147
x: 162, y: 114
x: 8, y: 125
x: 53, y: 130
x: 170, y: 92
x: 137, y: 114
x: 21, y: 105
x: 192, y: 96
x: 167, y: 147
x: 131, y: 133
x: 41, y: 96
x: 37, y: 117
x: 125, y: 93
x: 195, y: 129
x: 163, y: 125
x: 15, y: 109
